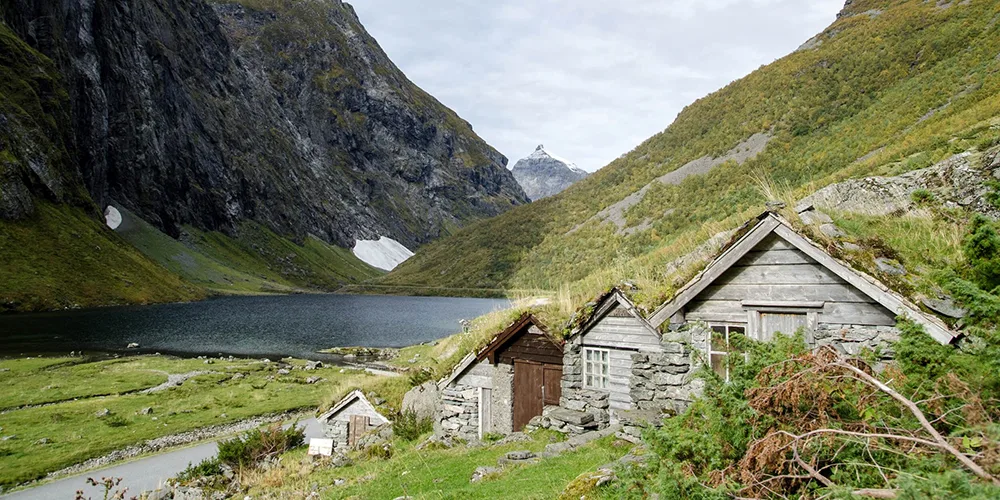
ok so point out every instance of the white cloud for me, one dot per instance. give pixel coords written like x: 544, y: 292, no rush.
x: 590, y: 79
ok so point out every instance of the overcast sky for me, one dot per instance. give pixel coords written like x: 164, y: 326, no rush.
x: 589, y: 79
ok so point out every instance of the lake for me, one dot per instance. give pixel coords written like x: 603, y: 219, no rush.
x: 267, y: 326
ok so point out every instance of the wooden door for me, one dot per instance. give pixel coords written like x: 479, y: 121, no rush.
x: 552, y: 380
x: 356, y: 428
x: 528, y: 380
x: 787, y: 324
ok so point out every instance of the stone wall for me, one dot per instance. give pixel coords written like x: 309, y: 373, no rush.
x: 574, y: 396
x: 458, y: 413
x: 502, y: 399
x: 853, y: 339
x: 667, y: 381
x: 336, y: 430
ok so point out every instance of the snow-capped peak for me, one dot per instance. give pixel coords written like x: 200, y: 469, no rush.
x: 541, y: 153
x: 544, y: 174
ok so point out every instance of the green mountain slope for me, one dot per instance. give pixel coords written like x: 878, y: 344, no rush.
x: 891, y: 86
x: 255, y: 261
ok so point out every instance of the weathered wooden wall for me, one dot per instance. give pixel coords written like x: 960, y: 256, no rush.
x: 531, y: 345
x: 775, y: 271
x: 359, y: 407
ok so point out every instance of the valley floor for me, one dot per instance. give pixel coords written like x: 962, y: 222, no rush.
x: 56, y: 413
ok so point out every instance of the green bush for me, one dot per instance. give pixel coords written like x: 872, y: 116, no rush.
x: 408, y: 426
x: 258, y: 445
x: 982, y: 251
x: 206, y: 468
x: 922, y: 196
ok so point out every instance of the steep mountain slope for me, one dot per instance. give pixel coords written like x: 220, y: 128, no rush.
x: 542, y: 174
x: 218, y: 116
x: 55, y: 252
x: 889, y: 87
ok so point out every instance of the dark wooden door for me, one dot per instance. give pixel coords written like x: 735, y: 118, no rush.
x: 535, y: 386
x: 528, y: 380
x: 356, y: 428
x: 552, y: 380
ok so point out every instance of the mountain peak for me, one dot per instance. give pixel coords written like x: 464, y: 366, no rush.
x: 544, y: 174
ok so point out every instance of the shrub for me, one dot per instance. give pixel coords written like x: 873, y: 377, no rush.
x: 258, y: 445
x: 922, y: 196
x: 205, y: 468
x: 982, y: 251
x: 378, y: 451
x: 408, y: 426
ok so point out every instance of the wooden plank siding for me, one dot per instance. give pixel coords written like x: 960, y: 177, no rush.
x: 776, y: 271
x: 628, y: 333
x: 532, y: 347
x: 618, y: 379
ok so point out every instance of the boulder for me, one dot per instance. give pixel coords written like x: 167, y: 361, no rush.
x: 952, y: 182
x: 422, y: 400
x: 945, y: 307
x: 571, y: 416
x: 831, y: 230
x: 889, y: 266
x: 482, y: 472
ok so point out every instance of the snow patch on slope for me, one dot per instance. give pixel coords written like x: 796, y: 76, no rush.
x: 112, y: 217
x: 384, y: 253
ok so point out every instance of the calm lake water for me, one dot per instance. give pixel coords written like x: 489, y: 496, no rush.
x: 272, y: 326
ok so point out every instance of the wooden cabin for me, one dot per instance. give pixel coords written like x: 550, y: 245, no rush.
x: 503, y: 386
x: 350, y: 419
x: 600, y: 356
x: 774, y: 279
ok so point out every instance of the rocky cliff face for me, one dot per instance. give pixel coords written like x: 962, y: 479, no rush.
x: 210, y: 113
x: 542, y: 174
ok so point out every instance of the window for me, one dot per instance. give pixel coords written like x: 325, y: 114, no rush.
x: 719, y: 348
x: 596, y: 367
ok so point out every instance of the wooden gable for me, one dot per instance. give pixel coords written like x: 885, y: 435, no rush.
x: 354, y: 404
x: 773, y: 268
x: 525, y: 339
x: 616, y: 323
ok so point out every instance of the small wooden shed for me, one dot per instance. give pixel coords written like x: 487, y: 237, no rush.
x: 350, y: 419
x: 504, y: 385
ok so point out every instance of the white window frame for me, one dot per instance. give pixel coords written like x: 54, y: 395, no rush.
x: 596, y: 368
x: 727, y: 328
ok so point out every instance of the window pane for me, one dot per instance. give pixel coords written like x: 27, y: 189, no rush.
x: 719, y: 342
x: 719, y: 328
x: 737, y: 329
x: 719, y: 364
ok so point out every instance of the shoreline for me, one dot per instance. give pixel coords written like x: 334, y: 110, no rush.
x: 355, y: 289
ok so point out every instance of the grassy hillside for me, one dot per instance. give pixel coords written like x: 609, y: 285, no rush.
x: 255, y: 261
x: 889, y: 87
x: 62, y: 257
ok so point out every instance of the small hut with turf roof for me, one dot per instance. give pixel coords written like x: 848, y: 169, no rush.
x: 350, y: 419
x: 500, y: 388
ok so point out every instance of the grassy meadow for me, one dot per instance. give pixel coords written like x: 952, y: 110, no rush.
x: 64, y: 428
x: 438, y: 473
